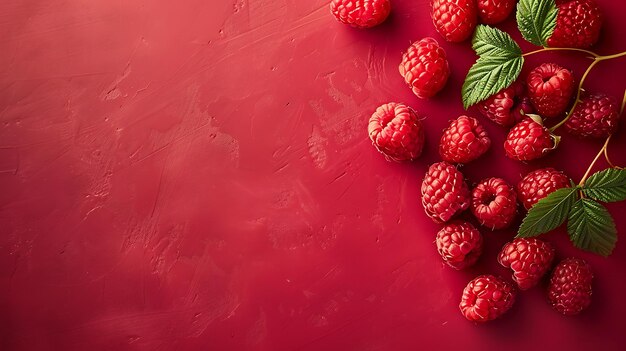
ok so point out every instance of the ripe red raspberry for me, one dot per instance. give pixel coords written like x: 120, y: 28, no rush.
x: 460, y: 244
x: 463, y: 141
x: 455, y: 20
x: 425, y: 68
x: 595, y: 116
x: 578, y: 24
x: 529, y: 259
x: 486, y: 298
x: 494, y: 11
x: 569, y: 291
x: 529, y: 140
x: 360, y: 13
x: 550, y: 88
x: 444, y: 192
x: 508, y: 106
x: 494, y: 203
x: 539, y: 183
x: 397, y: 132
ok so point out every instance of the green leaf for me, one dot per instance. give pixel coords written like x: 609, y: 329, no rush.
x: 608, y: 185
x: 499, y: 64
x: 536, y: 20
x: 549, y: 213
x: 591, y: 227
x: 492, y: 42
x: 488, y: 76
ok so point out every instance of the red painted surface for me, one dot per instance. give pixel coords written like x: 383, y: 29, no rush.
x: 197, y: 176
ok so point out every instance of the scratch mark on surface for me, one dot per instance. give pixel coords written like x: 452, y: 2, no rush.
x: 142, y: 90
x: 135, y: 152
x: 235, y: 37
x: 345, y: 190
x: 338, y: 177
x: 79, y: 75
x: 113, y: 91
x: 170, y: 143
x: 326, y: 75
x: 158, y: 194
x: 259, y: 40
x: 89, y: 212
x: 153, y: 152
x: 281, y: 167
x: 330, y: 271
x: 232, y: 313
x: 112, y: 94
x: 317, y: 9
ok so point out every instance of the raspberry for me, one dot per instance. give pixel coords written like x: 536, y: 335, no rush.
x: 578, y: 24
x: 595, y: 116
x: 494, y: 11
x: 494, y: 203
x: 360, y: 13
x: 529, y: 259
x: 397, y: 132
x: 444, y: 192
x: 538, y: 184
x: 508, y: 106
x: 455, y: 20
x: 550, y: 88
x: 460, y: 244
x: 486, y: 298
x: 569, y: 291
x: 425, y: 68
x: 529, y: 140
x: 463, y: 141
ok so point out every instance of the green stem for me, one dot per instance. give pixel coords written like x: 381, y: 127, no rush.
x: 608, y: 160
x: 593, y: 54
x: 606, y: 143
x: 608, y: 57
x: 580, y: 89
x: 596, y: 60
x: 606, y: 149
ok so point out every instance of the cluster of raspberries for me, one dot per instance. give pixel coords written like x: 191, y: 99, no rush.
x: 397, y: 131
x: 493, y: 203
x: 547, y: 93
x: 578, y: 21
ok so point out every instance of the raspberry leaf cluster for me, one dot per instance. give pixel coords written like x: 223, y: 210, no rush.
x: 536, y: 20
x: 493, y: 43
x: 548, y: 213
x: 591, y: 227
x: 499, y: 64
x: 606, y: 186
x: 589, y: 223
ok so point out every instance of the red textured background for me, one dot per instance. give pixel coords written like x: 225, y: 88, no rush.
x: 196, y: 175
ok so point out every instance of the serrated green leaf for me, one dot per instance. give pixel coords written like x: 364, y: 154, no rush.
x: 492, y: 42
x: 488, y: 76
x: 499, y: 64
x: 549, y: 213
x: 591, y: 227
x: 608, y: 185
x: 536, y: 20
